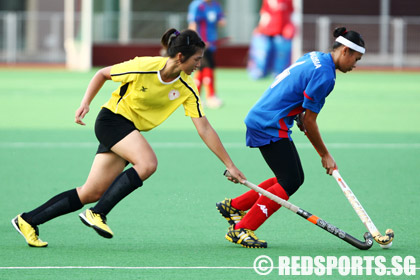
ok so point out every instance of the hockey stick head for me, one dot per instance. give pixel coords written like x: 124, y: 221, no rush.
x: 385, y: 239
x: 368, y: 242
x: 377, y: 236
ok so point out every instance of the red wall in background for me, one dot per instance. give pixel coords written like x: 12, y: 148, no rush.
x: 109, y: 54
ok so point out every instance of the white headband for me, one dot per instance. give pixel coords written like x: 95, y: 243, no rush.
x: 350, y: 44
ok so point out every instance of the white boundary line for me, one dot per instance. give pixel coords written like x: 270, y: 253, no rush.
x: 122, y: 267
x: 142, y: 267
x: 170, y: 145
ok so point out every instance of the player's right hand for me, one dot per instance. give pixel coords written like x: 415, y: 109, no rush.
x: 299, y: 122
x: 236, y: 176
x: 329, y: 163
x: 80, y: 114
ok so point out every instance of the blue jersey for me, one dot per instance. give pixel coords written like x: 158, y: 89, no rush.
x: 207, y: 15
x: 304, y: 85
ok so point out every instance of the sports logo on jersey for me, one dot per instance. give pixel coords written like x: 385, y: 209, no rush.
x: 143, y: 89
x: 263, y: 209
x: 173, y: 94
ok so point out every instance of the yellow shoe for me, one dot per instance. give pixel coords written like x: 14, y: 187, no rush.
x: 245, y: 237
x: 232, y: 215
x: 97, y: 222
x: 28, y: 232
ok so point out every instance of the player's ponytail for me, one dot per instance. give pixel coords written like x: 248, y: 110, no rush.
x: 347, y: 37
x: 186, y: 42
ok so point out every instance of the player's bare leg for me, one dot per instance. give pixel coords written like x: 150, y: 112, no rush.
x: 135, y: 149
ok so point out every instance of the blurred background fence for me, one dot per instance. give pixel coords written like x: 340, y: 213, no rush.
x: 31, y: 34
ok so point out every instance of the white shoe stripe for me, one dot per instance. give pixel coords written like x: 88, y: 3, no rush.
x: 81, y: 215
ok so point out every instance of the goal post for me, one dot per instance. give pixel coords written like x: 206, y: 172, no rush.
x: 297, y: 43
x: 78, y: 34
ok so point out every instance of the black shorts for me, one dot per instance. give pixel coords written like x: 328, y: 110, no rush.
x: 111, y: 128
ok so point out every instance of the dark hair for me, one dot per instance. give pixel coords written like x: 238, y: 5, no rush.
x: 186, y: 42
x: 349, y: 35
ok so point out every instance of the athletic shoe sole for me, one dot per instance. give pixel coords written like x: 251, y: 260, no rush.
x: 100, y: 231
x: 245, y: 246
x: 15, y: 225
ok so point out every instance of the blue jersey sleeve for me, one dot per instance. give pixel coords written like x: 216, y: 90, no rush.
x: 318, y: 88
x: 192, y: 11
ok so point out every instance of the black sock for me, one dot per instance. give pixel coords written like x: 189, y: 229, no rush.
x: 60, y: 204
x: 122, y: 186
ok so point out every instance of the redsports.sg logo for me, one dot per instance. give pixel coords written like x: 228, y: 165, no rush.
x: 332, y: 265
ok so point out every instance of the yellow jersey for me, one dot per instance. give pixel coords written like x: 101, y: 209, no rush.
x: 145, y: 99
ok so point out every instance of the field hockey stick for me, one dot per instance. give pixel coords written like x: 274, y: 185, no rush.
x: 384, y: 240
x: 357, y: 206
x: 312, y: 218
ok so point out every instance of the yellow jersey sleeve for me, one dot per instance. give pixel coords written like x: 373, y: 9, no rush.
x: 125, y: 72
x: 192, y: 105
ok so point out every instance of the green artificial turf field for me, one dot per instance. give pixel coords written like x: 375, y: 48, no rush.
x: 170, y: 228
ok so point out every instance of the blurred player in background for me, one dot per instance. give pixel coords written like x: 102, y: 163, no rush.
x: 299, y: 92
x: 271, y: 44
x: 151, y: 89
x: 205, y: 16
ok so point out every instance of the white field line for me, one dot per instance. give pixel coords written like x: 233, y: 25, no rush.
x: 148, y: 267
x: 122, y: 267
x: 199, y: 145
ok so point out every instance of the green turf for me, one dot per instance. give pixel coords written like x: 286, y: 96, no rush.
x: 170, y: 229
